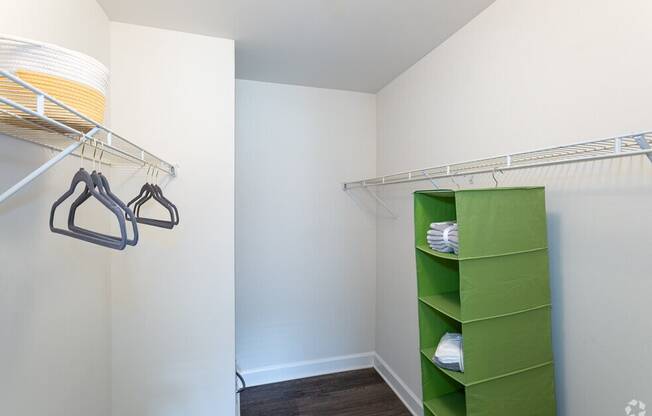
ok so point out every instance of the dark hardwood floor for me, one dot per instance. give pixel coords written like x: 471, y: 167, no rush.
x: 353, y: 393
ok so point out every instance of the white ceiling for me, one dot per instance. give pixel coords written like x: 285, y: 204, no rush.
x: 357, y: 45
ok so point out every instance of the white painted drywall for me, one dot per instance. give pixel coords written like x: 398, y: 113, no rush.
x: 54, y: 326
x: 80, y: 25
x: 526, y: 74
x: 305, y: 250
x: 173, y: 295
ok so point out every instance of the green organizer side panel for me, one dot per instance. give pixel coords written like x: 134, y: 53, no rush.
x: 495, y: 286
x: 500, y: 346
x: 500, y: 221
x: 531, y: 393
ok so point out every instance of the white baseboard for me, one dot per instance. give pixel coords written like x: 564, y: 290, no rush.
x: 407, y: 396
x: 303, y: 369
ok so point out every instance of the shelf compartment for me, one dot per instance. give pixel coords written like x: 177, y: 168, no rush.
x: 433, y: 325
x: 437, y: 206
x: 444, y: 396
x: 490, y: 220
x: 453, y: 404
x: 487, y: 354
x: 429, y: 353
x: 437, y: 390
x: 446, y: 303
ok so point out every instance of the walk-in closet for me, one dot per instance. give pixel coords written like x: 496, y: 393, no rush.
x: 325, y: 208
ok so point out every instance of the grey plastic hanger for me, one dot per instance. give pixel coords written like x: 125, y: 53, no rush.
x: 82, y: 176
x: 156, y: 192
x: 162, y: 197
x: 101, y: 183
x: 147, y: 192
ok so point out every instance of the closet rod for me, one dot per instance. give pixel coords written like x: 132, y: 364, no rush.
x: 615, y: 147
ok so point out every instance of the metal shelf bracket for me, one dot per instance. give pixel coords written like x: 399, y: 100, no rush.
x: 381, y: 202
x: 46, y: 166
x: 36, y: 126
x: 643, y: 144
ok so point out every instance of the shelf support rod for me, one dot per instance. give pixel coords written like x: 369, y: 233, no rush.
x: 381, y: 202
x: 431, y: 179
x: 40, y: 104
x: 643, y: 144
x: 46, y: 166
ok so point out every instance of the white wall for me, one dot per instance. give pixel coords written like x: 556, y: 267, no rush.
x: 305, y: 250
x: 173, y: 295
x: 80, y: 25
x: 54, y: 327
x: 526, y: 74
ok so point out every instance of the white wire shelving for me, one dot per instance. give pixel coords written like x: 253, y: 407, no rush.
x: 615, y: 147
x: 73, y: 136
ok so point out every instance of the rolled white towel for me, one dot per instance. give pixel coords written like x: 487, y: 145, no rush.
x: 438, y: 243
x: 441, y: 249
x: 443, y: 237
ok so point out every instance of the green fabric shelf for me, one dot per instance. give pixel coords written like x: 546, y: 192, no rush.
x: 429, y: 353
x: 446, y: 303
x: 495, y: 293
x: 432, y: 252
x: 453, y: 404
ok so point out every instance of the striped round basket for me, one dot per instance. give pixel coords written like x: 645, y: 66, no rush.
x: 77, y: 80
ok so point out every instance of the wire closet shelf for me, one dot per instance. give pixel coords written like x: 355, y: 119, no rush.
x: 77, y: 135
x: 615, y: 147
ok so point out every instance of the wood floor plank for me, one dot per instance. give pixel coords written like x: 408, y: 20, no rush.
x: 352, y: 393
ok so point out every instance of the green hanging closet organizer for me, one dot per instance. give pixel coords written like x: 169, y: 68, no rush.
x: 496, y: 293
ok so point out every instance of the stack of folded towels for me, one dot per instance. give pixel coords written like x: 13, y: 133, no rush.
x: 443, y: 237
x: 450, y: 353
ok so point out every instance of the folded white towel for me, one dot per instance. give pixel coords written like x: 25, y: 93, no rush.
x: 450, y: 352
